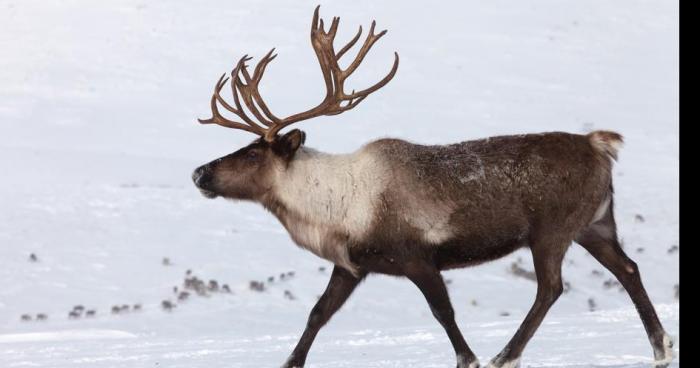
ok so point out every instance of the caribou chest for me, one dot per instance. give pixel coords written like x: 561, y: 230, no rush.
x: 329, y: 200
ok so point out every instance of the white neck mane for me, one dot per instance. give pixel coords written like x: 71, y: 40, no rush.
x: 330, y: 199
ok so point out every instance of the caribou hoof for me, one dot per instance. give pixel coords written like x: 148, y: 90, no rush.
x: 464, y: 362
x: 501, y: 363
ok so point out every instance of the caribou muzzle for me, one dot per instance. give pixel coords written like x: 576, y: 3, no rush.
x: 203, y: 179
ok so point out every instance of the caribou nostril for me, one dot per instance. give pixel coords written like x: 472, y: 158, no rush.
x: 201, y: 176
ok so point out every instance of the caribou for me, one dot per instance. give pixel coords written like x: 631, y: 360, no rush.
x: 405, y: 209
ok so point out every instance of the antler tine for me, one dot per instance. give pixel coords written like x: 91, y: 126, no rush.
x: 235, y: 75
x: 262, y: 64
x: 369, y: 42
x: 381, y: 83
x: 318, y: 43
x: 234, y: 91
x: 242, y: 68
x: 314, y: 20
x: 251, y: 95
x: 217, y: 93
x: 218, y: 119
x: 350, y: 105
x: 349, y: 44
x: 334, y: 27
x: 257, y: 77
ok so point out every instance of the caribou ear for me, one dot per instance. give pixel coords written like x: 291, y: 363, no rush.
x: 289, y: 143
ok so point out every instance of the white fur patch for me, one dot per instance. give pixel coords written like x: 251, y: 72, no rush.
x: 334, y: 198
x: 616, y: 145
x: 461, y: 361
x: 515, y: 363
x: 600, y: 212
x: 668, y: 353
x: 431, y: 218
x: 607, y: 142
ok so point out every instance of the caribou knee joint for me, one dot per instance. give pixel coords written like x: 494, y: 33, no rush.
x: 317, y: 318
x: 443, y: 315
x: 550, y: 295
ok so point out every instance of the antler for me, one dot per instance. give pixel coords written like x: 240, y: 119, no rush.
x: 245, y: 87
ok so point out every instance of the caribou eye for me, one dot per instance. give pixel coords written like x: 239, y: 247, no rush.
x: 252, y: 155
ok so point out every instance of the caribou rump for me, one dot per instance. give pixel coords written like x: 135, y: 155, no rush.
x: 411, y: 210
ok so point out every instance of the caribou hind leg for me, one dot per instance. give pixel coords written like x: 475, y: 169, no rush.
x: 340, y: 286
x: 600, y: 239
x: 547, y: 254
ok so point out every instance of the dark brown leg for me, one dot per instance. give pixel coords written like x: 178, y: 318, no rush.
x: 547, y: 255
x: 431, y: 284
x: 340, y: 286
x: 600, y: 239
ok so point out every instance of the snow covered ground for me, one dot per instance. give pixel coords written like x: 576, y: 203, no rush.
x: 98, y: 138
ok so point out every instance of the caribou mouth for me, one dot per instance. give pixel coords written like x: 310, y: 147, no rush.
x: 208, y: 193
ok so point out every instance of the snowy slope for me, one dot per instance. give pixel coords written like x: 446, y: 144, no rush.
x: 98, y: 138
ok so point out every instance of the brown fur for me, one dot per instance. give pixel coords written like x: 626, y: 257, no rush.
x: 498, y: 190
